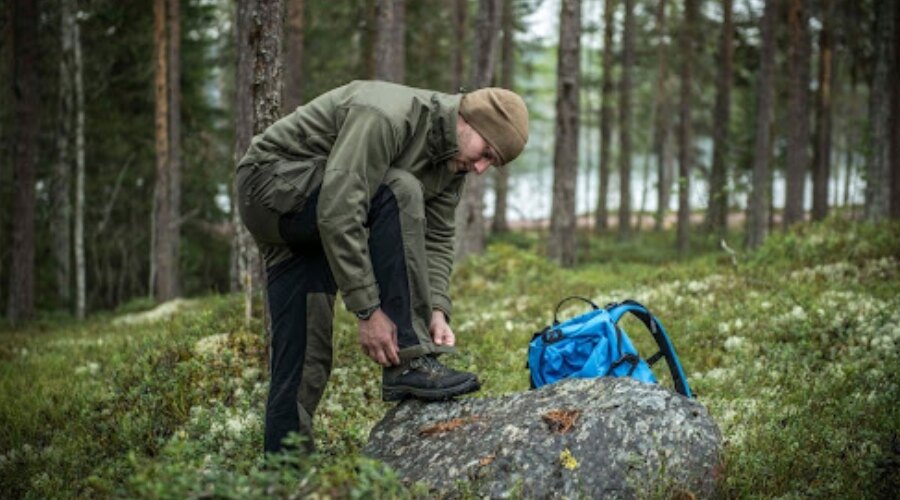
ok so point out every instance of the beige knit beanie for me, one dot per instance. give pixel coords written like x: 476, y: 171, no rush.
x: 500, y: 116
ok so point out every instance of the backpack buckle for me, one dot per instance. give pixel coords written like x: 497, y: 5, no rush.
x: 551, y: 336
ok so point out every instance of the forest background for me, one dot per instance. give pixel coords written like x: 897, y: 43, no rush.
x: 123, y: 122
x: 732, y: 164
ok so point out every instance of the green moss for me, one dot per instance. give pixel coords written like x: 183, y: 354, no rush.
x: 793, y: 348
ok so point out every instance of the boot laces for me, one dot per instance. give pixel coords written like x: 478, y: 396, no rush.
x: 429, y: 364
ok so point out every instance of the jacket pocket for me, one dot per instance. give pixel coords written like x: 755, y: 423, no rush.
x: 289, y: 184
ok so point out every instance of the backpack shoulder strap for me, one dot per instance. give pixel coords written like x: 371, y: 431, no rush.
x: 666, y: 349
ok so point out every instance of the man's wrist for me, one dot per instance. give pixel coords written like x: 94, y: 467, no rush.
x: 442, y: 313
x: 365, y: 314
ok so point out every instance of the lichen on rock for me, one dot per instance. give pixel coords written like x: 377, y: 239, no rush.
x: 602, y: 437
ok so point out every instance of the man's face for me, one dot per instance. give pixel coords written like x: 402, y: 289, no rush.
x: 475, y: 155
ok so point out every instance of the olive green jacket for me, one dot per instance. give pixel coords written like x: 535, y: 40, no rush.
x: 345, y: 141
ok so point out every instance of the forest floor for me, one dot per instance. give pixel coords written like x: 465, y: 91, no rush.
x: 792, y: 347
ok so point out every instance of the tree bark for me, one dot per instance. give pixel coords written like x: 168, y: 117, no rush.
x: 565, y: 162
x: 80, y: 271
x: 685, y: 130
x: 758, y: 220
x: 717, y: 216
x: 258, y: 80
x: 293, y: 56
x: 625, y: 123
x: 20, y: 305
x: 662, y: 120
x: 459, y: 71
x: 174, y: 96
x: 798, y: 111
x: 822, y: 152
x: 164, y: 286
x: 895, y: 121
x: 501, y: 175
x: 601, y: 222
x: 470, y: 223
x: 61, y: 192
x: 878, y: 178
x: 390, y: 45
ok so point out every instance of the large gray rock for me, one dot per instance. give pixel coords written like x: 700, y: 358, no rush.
x: 580, y: 438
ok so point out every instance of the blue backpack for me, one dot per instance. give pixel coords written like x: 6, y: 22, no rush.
x: 593, y: 345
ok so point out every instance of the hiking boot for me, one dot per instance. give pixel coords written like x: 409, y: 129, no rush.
x: 426, y: 378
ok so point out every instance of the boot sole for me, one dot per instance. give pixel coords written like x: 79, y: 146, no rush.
x: 402, y: 392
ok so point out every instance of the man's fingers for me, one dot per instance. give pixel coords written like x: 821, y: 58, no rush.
x: 394, y: 349
x: 379, y: 357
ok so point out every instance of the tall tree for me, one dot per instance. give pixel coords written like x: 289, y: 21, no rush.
x: 565, y: 159
x: 259, y: 26
x: 685, y: 129
x: 895, y: 121
x: 798, y: 111
x: 606, y: 117
x: 501, y: 175
x: 470, y: 224
x: 662, y: 121
x: 717, y: 215
x: 173, y: 25
x: 878, y: 176
x: 61, y: 193
x: 26, y: 107
x: 390, y: 45
x: 293, y: 56
x: 625, y: 122
x: 80, y: 267
x: 822, y: 150
x: 165, y: 266
x: 459, y: 48
x: 758, y: 216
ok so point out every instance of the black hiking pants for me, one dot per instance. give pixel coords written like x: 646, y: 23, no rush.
x: 301, y: 293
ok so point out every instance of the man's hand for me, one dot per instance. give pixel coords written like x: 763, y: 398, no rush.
x: 378, y: 338
x: 441, y: 333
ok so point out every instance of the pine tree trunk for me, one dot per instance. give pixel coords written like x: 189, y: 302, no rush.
x: 258, y: 80
x: 717, y: 216
x: 459, y: 25
x: 80, y: 267
x: 758, y: 209
x: 878, y: 178
x: 565, y: 162
x: 686, y: 130
x: 601, y: 222
x: 848, y: 170
x: 370, y: 39
x: 26, y: 104
x: 501, y: 175
x: 662, y: 119
x: 484, y: 60
x: 798, y: 111
x: 293, y: 56
x: 470, y: 223
x: 390, y: 45
x: 895, y: 121
x: 822, y: 152
x: 625, y: 123
x: 164, y: 287
x: 61, y: 204
x: 174, y: 96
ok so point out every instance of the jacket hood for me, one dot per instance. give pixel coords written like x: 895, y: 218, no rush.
x: 442, y: 140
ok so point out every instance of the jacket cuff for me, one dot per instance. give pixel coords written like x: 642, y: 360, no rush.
x: 361, y: 298
x: 442, y: 303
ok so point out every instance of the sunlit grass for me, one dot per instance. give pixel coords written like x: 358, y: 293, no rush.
x: 794, y: 349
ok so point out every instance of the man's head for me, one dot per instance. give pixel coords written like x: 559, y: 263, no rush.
x: 492, y: 129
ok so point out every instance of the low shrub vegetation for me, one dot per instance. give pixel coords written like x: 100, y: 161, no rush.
x: 793, y: 348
